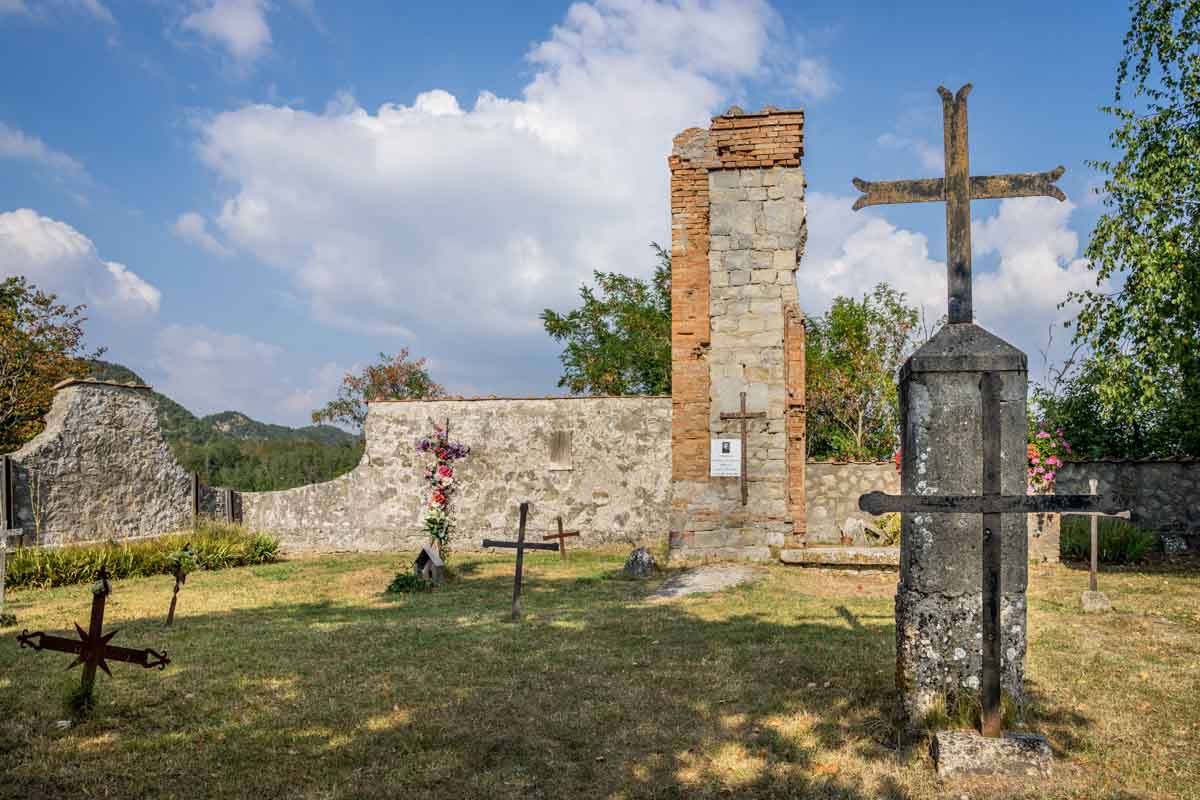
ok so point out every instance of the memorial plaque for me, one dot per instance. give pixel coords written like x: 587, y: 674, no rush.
x: 726, y: 458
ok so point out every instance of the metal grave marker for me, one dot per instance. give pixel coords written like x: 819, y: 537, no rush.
x: 957, y: 189
x: 991, y: 504
x: 520, y: 545
x: 1093, y: 587
x: 92, y: 648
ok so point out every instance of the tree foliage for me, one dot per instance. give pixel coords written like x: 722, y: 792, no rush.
x: 397, y: 377
x: 259, y: 465
x: 1143, y: 372
x: 619, y: 341
x: 852, y: 354
x: 41, y: 343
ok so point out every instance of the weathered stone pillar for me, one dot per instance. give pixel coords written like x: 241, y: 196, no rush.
x: 939, y: 597
x: 738, y: 228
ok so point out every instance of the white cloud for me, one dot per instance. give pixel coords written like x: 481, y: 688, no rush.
x: 192, y: 227
x: 59, y: 259
x: 930, y: 156
x: 321, y: 387
x: 210, y: 371
x: 18, y: 145
x: 813, y: 79
x: 43, y: 9
x: 454, y: 224
x: 239, y: 26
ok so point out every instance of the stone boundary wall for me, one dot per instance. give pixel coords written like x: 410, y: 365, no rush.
x: 100, y: 470
x: 603, y: 463
x: 1164, y: 495
x: 832, y: 489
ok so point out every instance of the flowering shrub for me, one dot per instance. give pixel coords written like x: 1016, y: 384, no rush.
x: 438, y: 521
x: 1046, y: 453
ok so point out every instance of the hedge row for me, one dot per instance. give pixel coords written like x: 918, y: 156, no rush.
x: 216, y: 546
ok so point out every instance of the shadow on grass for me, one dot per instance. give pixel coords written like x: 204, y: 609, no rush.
x: 594, y: 693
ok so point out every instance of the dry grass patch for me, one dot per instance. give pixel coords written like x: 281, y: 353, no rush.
x: 303, y: 679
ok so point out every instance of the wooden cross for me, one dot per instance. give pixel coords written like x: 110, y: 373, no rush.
x: 521, y: 546
x: 562, y: 538
x: 1093, y: 485
x: 92, y: 650
x: 957, y: 190
x: 991, y: 504
x: 743, y: 416
x: 7, y: 519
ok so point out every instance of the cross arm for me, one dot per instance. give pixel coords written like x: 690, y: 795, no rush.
x: 880, y: 503
x: 748, y: 415
x: 525, y: 545
x: 983, y: 187
x: 45, y: 641
x: 143, y: 658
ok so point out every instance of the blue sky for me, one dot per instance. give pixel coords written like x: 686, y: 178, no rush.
x: 253, y: 197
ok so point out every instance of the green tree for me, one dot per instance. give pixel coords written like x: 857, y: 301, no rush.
x: 41, y: 343
x: 852, y: 354
x: 1144, y: 338
x: 395, y: 377
x: 619, y: 341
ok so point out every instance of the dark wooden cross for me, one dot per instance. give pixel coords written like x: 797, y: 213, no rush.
x: 521, y: 546
x: 743, y: 416
x: 957, y: 190
x: 992, y: 503
x: 562, y: 539
x: 1093, y: 485
x: 93, y: 650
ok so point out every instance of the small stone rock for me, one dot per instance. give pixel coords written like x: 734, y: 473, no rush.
x: 640, y: 564
x: 1094, y: 602
x: 962, y: 753
x: 63, y: 724
x: 1174, y: 545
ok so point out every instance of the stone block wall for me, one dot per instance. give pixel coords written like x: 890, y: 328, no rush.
x: 735, y: 245
x: 833, y: 489
x: 1162, y: 494
x: 100, y: 470
x: 612, y: 483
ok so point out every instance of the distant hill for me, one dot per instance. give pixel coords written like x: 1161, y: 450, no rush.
x: 179, y: 423
x: 231, y: 449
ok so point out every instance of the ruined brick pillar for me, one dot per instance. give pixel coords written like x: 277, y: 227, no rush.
x: 737, y: 233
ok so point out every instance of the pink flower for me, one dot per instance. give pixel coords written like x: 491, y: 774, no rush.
x: 445, y: 471
x: 1049, y: 476
x: 1035, y: 460
x: 1043, y: 435
x: 1040, y: 470
x: 1053, y: 461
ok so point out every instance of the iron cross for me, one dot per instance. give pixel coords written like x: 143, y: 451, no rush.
x: 992, y: 503
x: 743, y: 416
x: 562, y: 539
x: 957, y: 190
x: 92, y: 650
x: 1093, y: 484
x: 521, y: 546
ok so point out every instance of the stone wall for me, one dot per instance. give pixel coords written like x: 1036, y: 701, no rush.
x: 610, y: 479
x: 833, y: 489
x: 1161, y: 494
x: 100, y: 469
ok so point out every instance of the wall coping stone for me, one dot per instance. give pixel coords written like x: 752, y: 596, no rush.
x: 459, y: 399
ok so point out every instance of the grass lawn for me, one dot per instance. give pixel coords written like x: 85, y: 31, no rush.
x: 303, y: 680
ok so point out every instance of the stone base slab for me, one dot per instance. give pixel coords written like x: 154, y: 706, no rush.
x: 841, y: 556
x: 1094, y: 602
x: 967, y: 753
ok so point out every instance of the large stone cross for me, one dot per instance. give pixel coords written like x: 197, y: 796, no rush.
x: 957, y: 190
x: 991, y: 503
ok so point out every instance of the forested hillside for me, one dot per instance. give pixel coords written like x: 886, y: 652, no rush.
x: 231, y: 449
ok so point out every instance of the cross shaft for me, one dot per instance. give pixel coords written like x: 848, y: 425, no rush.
x: 743, y: 416
x: 957, y: 189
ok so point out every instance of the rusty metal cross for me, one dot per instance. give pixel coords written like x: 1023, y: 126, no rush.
x: 991, y: 503
x: 562, y: 539
x: 93, y: 648
x: 743, y: 417
x: 520, y: 545
x: 957, y: 190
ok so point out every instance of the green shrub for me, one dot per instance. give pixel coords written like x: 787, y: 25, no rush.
x: 1120, y: 542
x: 214, y: 545
x: 407, y: 582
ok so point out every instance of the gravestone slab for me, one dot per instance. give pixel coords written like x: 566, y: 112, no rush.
x: 1094, y: 602
x: 705, y: 579
x: 966, y: 753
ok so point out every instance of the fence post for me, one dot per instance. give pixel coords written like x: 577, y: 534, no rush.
x: 195, y: 499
